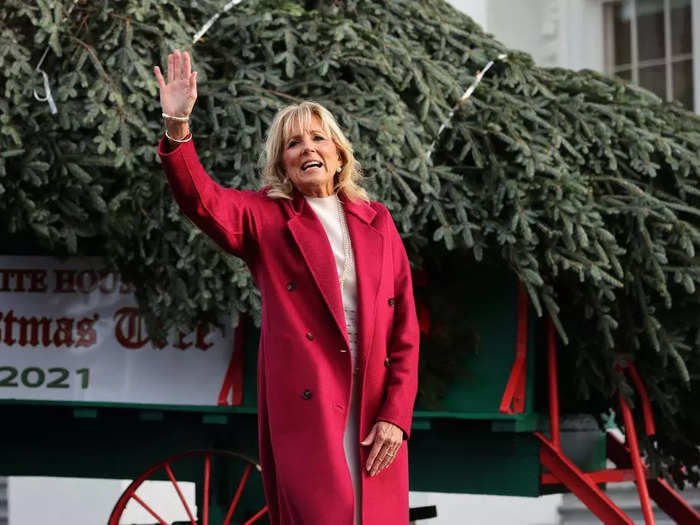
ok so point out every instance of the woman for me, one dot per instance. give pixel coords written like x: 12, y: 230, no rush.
x: 339, y: 338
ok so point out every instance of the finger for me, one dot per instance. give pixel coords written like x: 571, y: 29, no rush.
x: 193, y: 84
x: 171, y: 67
x: 373, y: 454
x: 391, y: 455
x: 383, y: 463
x: 177, y: 65
x: 186, y: 65
x: 380, y: 460
x: 159, y: 77
x: 370, y: 437
x: 389, y: 458
x: 372, y: 457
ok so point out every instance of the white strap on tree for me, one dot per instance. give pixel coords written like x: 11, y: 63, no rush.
x: 47, y: 97
x: 199, y: 34
x: 465, y: 97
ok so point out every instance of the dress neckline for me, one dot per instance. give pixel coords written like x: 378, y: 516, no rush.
x: 321, y: 199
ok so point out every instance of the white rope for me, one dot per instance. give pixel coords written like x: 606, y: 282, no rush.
x: 199, y: 34
x: 465, y: 97
x: 48, y: 97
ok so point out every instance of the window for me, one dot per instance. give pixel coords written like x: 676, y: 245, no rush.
x: 650, y: 42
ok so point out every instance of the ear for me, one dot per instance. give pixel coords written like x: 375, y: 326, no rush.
x: 338, y: 151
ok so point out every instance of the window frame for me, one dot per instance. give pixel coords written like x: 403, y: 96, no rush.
x: 668, y: 60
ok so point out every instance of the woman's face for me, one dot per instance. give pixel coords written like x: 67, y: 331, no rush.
x: 310, y: 160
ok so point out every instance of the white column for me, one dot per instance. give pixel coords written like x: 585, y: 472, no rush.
x: 585, y: 36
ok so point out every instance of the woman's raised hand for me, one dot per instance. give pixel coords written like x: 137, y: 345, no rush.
x: 179, y: 93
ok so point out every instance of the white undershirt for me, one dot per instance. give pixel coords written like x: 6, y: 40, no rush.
x: 327, y: 211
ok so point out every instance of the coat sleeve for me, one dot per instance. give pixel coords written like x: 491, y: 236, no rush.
x: 402, y: 384
x: 230, y: 217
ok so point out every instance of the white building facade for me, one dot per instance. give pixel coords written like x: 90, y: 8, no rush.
x: 654, y: 43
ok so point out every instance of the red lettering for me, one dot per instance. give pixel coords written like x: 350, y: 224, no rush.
x: 19, y: 280
x: 130, y: 332
x: 87, y: 281
x: 33, y: 324
x: 16, y: 280
x: 87, y: 336
x: 181, y: 343
x: 65, y: 281
x: 4, y: 280
x: 9, y: 319
x: 129, y: 329
x: 158, y: 342
x: 104, y: 279
x: 37, y: 281
x: 64, y: 332
x: 34, y: 331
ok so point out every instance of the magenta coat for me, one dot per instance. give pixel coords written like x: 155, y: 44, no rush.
x: 304, y: 366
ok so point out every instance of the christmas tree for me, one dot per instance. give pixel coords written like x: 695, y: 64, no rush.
x: 584, y: 186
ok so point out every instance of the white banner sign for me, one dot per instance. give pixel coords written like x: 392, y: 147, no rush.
x: 72, y: 332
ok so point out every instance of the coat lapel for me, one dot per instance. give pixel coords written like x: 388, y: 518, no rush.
x: 309, y: 235
x: 368, y: 248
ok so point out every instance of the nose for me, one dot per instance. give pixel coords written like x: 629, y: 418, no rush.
x: 308, y: 143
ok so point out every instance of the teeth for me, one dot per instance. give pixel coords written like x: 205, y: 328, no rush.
x: 312, y: 163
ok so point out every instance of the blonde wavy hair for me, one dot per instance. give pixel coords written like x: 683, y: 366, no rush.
x: 298, y: 117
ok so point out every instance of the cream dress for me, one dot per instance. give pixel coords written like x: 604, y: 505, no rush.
x: 332, y: 216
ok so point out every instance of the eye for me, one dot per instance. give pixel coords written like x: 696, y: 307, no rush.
x: 292, y: 143
x: 319, y: 137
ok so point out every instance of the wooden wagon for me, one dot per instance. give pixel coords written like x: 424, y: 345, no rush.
x: 486, y: 436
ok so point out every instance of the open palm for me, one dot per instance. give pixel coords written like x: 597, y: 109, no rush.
x: 179, y: 93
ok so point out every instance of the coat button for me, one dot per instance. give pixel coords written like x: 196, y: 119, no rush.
x: 309, y: 336
x: 291, y: 286
x: 306, y: 394
x: 391, y: 301
x: 387, y: 362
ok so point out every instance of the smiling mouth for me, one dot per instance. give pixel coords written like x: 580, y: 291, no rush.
x: 311, y: 164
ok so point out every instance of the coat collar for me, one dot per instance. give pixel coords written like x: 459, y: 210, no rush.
x: 367, y: 244
x: 362, y: 210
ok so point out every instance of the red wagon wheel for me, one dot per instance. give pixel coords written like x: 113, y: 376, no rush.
x: 166, y: 466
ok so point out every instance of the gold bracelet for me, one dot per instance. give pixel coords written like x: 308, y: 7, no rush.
x: 179, y: 119
x: 187, y: 138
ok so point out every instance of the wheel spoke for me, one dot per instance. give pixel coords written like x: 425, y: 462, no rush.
x: 259, y: 515
x: 207, y: 473
x: 179, y: 493
x: 199, y: 514
x: 237, y: 496
x: 150, y: 510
